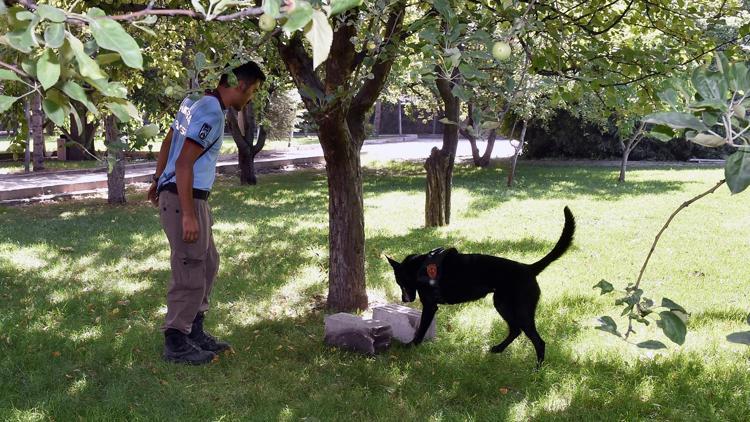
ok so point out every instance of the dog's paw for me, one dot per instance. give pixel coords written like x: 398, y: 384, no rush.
x: 496, y: 349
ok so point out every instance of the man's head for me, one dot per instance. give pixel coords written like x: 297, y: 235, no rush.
x: 249, y: 78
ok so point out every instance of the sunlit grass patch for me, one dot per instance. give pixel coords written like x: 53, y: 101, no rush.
x: 83, y: 288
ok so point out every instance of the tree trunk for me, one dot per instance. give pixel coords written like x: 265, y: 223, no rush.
x: 628, y: 148
x: 623, y: 166
x: 378, y: 117
x: 243, y: 128
x: 37, y: 131
x: 516, y: 153
x: 341, y: 134
x: 346, y: 287
x: 27, y: 152
x: 439, y: 165
x: 116, y: 169
x: 400, y: 130
x: 484, y: 161
x: 84, y: 148
x: 439, y: 177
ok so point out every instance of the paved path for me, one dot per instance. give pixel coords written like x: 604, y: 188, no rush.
x: 16, y: 188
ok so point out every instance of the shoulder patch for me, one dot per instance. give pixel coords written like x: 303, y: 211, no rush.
x: 205, y: 129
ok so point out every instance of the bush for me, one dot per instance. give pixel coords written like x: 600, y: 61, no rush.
x: 566, y: 136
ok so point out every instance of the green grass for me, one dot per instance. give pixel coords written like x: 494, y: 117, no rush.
x: 83, y: 290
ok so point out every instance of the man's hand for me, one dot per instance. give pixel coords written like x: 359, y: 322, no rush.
x: 152, y: 196
x: 190, y: 228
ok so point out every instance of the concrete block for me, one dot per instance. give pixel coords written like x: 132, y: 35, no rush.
x: 351, y: 332
x: 403, y: 320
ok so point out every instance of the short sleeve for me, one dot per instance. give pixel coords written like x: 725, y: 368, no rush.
x: 204, y: 126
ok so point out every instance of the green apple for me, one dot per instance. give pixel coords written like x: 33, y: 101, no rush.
x: 267, y: 22
x: 501, y: 50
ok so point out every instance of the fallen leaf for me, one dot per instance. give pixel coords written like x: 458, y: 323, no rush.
x: 162, y: 382
x: 123, y: 302
x: 56, y: 354
x: 504, y: 390
x: 115, y: 311
x: 215, y: 359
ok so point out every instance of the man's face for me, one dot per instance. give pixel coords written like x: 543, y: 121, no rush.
x: 247, y: 92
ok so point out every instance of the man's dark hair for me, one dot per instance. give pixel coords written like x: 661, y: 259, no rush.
x: 248, y: 72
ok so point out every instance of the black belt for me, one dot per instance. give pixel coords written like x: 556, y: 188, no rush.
x: 197, y: 193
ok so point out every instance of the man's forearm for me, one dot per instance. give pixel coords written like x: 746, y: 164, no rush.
x: 185, y: 188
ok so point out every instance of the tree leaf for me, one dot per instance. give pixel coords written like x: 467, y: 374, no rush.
x: 605, y: 285
x: 320, y: 36
x: 200, y: 61
x: 338, y: 6
x: 9, y: 75
x: 737, y: 171
x: 742, y: 337
x: 76, y: 92
x: 21, y: 39
x: 198, y: 7
x: 109, y: 89
x: 110, y: 35
x: 447, y: 121
x: 52, y: 13
x: 707, y: 140
x: 608, y: 325
x: 6, y: 102
x: 54, y: 107
x: 489, y: 125
x: 48, y: 68
x: 299, y: 18
x: 708, y: 84
x: 147, y: 131
x: 107, y: 58
x: 87, y: 67
x: 652, y: 345
x: 54, y: 35
x: 124, y: 111
x: 672, y: 326
x: 271, y: 8
x: 676, y: 120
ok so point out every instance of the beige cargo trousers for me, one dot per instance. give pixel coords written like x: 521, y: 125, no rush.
x: 194, y: 265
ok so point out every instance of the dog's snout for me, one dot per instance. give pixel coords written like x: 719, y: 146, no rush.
x: 406, y: 297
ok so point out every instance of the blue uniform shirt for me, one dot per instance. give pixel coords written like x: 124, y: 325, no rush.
x: 203, y: 122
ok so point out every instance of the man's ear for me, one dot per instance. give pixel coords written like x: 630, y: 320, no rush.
x: 395, y: 264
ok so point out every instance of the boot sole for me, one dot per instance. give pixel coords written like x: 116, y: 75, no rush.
x: 187, y: 361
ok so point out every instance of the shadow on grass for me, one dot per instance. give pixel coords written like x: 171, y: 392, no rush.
x: 108, y: 365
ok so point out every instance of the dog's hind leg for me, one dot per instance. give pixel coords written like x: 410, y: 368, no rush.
x: 513, y: 329
x: 529, y: 328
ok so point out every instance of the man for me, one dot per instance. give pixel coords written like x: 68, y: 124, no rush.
x: 185, y: 173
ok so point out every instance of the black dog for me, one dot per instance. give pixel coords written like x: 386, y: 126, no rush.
x: 448, y: 277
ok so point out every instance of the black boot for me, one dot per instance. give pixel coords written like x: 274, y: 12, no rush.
x: 178, y: 349
x: 204, y: 340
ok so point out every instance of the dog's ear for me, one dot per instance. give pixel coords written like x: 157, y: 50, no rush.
x: 395, y: 264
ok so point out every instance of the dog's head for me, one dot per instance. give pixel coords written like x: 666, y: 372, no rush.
x: 406, y: 276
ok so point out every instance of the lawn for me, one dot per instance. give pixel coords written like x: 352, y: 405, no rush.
x: 83, y: 290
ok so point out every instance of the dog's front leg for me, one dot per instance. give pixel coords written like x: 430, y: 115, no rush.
x: 428, y: 314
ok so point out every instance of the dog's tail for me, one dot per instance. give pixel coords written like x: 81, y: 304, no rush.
x: 566, y: 238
